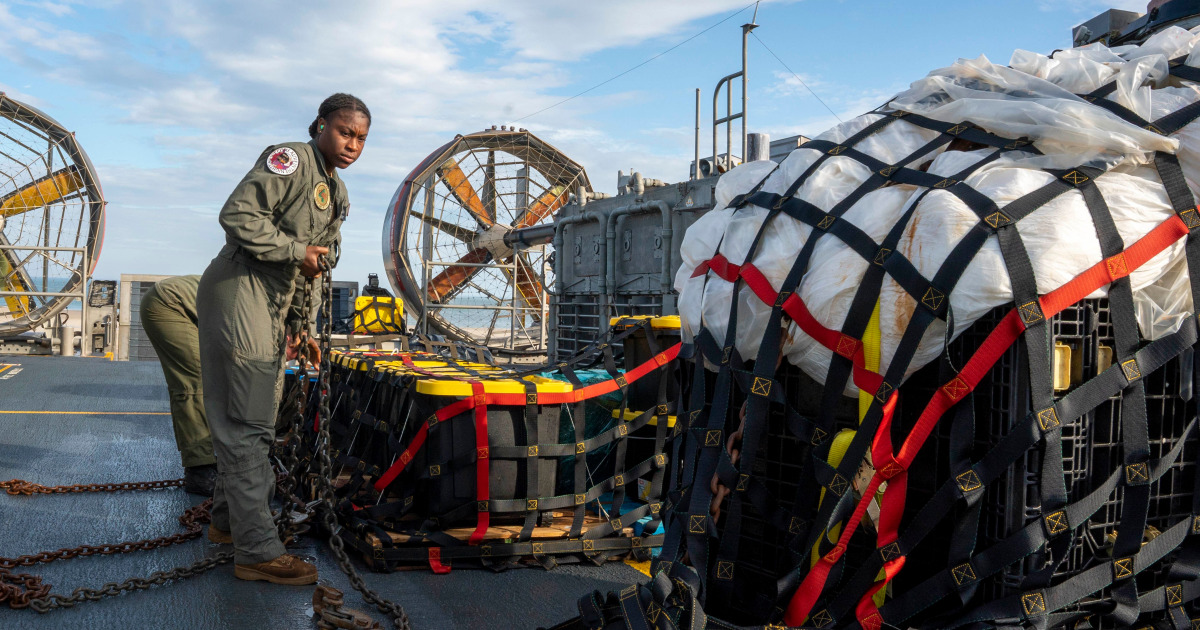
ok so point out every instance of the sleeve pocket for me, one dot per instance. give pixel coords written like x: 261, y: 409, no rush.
x: 252, y: 389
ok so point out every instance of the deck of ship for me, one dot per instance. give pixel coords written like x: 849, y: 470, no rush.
x: 71, y: 420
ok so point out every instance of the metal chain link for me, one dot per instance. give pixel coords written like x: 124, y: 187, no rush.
x: 328, y: 608
x: 290, y: 442
x: 23, y: 590
x: 324, y: 480
x: 20, y: 487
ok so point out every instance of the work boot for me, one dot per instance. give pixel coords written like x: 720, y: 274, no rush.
x: 286, y: 569
x: 200, y: 479
x: 219, y: 536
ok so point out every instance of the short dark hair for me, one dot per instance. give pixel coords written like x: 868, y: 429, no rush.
x: 335, y: 103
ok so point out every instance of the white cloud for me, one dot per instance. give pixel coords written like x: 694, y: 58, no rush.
x: 22, y: 96
x: 213, y: 83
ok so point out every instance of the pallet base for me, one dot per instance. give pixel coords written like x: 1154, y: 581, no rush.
x: 547, y: 546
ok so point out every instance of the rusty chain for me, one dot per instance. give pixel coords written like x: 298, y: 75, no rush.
x: 20, y: 487
x: 288, y: 445
x: 325, y: 467
x: 23, y: 590
x: 328, y: 607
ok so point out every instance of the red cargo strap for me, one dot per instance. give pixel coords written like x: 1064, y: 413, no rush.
x: 482, y: 452
x: 720, y: 266
x: 808, y: 592
x: 457, y: 407
x: 841, y: 344
x: 996, y: 344
x: 435, y: 561
x: 443, y: 414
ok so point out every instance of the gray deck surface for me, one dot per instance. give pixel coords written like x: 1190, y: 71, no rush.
x: 60, y: 449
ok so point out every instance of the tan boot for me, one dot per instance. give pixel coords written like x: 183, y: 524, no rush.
x: 219, y: 536
x: 286, y: 569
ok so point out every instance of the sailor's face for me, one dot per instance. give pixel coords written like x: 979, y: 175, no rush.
x: 342, y: 139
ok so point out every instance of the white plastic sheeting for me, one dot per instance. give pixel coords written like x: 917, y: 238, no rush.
x: 1035, y: 97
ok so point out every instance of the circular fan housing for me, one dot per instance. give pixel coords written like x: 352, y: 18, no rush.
x: 51, y: 217
x: 444, y: 239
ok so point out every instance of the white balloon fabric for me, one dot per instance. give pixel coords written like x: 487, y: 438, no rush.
x: 1035, y: 97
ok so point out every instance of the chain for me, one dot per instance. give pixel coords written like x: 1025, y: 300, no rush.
x: 328, y: 609
x: 290, y: 442
x: 19, y: 487
x: 191, y: 520
x: 324, y: 480
x: 23, y: 590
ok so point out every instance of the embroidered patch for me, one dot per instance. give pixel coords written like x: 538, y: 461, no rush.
x: 283, y: 161
x: 321, y: 195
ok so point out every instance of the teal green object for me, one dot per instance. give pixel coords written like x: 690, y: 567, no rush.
x: 597, y: 418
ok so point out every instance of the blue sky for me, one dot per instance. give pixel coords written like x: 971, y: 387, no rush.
x: 174, y: 99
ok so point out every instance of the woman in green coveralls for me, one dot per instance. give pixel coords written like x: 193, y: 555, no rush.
x: 281, y: 218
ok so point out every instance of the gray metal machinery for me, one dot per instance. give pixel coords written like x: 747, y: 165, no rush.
x: 100, y: 328
x: 1116, y: 27
x: 617, y: 256
x: 51, y: 231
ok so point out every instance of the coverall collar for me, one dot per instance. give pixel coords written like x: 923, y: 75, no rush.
x: 321, y: 160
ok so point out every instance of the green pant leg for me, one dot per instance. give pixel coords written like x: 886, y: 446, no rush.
x: 175, y: 339
x: 241, y: 362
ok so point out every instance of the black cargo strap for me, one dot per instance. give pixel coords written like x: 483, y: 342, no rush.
x: 739, y: 477
x: 967, y: 484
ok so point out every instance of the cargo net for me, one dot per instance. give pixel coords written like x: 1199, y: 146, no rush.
x: 442, y: 461
x: 1041, y: 469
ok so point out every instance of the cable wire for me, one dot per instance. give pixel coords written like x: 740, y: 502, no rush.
x: 615, y: 77
x: 810, y: 90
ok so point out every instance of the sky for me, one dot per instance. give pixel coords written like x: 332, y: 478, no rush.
x: 174, y: 99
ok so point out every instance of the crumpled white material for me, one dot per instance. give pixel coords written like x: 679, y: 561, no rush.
x: 1035, y: 97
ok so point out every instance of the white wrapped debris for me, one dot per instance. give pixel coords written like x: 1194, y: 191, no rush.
x: 1036, y: 97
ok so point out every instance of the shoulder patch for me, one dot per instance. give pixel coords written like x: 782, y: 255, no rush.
x: 283, y: 161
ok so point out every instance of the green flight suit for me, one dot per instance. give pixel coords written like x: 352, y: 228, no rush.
x: 250, y: 295
x: 168, y: 312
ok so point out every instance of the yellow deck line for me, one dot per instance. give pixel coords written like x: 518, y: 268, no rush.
x: 92, y: 413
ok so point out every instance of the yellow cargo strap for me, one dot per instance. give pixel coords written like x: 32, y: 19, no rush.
x: 871, y: 341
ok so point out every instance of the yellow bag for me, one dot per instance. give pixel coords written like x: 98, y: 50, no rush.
x: 378, y: 315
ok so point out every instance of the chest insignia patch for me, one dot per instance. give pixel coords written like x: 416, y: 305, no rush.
x: 321, y: 196
x: 283, y: 161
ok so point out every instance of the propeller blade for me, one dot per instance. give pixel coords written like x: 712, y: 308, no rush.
x: 460, y: 187
x: 463, y: 234
x: 544, y: 206
x: 13, y: 278
x: 42, y: 192
x: 444, y: 284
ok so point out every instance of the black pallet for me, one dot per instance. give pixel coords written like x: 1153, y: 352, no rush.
x: 1091, y: 447
x: 763, y: 556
